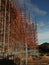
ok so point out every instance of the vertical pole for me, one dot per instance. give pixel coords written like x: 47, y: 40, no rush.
x: 25, y: 30
x: 9, y: 27
x: 4, y: 29
x: 0, y: 23
x: 0, y: 4
x: 35, y: 26
x: 36, y: 40
x: 26, y: 53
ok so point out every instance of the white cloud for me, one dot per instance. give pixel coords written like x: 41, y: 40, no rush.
x: 43, y: 35
x: 41, y: 24
x: 36, y: 9
x: 31, y: 6
x: 48, y: 22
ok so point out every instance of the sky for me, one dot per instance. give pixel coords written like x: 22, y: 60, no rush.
x: 40, y: 9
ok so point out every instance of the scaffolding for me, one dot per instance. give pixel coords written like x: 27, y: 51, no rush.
x: 5, y: 25
x: 17, y: 35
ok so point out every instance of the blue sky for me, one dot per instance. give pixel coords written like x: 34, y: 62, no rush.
x: 40, y: 9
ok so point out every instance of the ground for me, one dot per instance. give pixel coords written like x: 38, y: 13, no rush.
x: 6, y: 62
x: 43, y: 60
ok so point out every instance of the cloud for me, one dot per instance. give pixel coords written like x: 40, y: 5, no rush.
x: 30, y: 6
x: 43, y: 35
x: 36, y: 9
x: 48, y: 22
x: 40, y: 24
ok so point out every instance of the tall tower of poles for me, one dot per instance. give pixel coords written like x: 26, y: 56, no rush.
x: 14, y: 28
x: 5, y: 24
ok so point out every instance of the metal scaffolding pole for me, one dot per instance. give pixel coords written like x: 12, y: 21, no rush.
x: 9, y: 27
x: 4, y: 42
x: 0, y: 4
x: 26, y: 53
